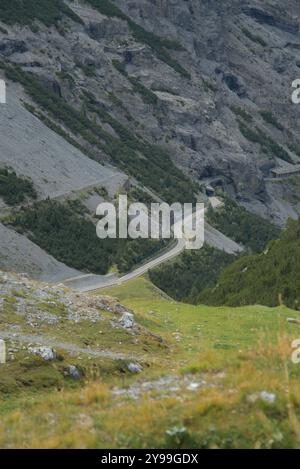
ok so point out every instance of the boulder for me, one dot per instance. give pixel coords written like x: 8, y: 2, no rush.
x: 47, y: 353
x: 127, y: 320
x: 73, y: 372
x: 267, y: 396
x: 135, y: 367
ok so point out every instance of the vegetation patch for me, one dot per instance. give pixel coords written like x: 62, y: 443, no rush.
x: 65, y: 232
x: 221, y: 361
x: 295, y: 148
x: 270, y: 278
x: 29, y: 372
x: 24, y: 12
x: 66, y: 235
x: 254, y: 37
x: 138, y: 251
x: 14, y: 189
x: 269, y: 118
x: 139, y: 195
x: 241, y: 112
x: 192, y: 272
x: 267, y: 144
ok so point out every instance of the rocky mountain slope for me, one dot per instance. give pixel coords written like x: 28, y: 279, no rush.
x: 166, y: 91
x: 237, y: 53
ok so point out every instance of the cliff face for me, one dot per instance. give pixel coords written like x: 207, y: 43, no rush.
x: 212, y: 84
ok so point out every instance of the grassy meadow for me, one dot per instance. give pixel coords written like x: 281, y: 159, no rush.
x: 200, y: 386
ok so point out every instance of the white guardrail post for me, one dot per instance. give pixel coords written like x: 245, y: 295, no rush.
x: 2, y: 92
x: 2, y: 352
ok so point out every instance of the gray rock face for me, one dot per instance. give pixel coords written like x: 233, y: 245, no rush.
x: 276, y: 20
x: 108, y: 29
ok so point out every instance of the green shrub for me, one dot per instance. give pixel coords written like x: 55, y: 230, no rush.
x: 138, y: 195
x: 241, y: 112
x: 192, y: 272
x: 14, y: 189
x: 269, y: 118
x: 102, y: 191
x: 89, y: 70
x: 137, y: 251
x: 254, y: 37
x: 295, y: 148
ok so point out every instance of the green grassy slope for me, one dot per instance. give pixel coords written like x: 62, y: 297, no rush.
x: 269, y: 278
x: 193, y: 271
x: 218, y: 361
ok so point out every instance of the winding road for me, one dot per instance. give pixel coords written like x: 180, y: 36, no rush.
x: 91, y: 282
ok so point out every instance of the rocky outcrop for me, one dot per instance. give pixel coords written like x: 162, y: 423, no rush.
x: 276, y: 20
x: 234, y: 84
x: 108, y: 29
x: 14, y: 46
x: 127, y: 320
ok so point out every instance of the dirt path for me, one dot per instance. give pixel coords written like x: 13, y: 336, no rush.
x: 72, y: 348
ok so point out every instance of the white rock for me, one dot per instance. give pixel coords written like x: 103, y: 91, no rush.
x: 127, y: 320
x: 135, y: 367
x: 264, y: 395
x: 267, y: 396
x: 193, y: 386
x: 74, y: 372
x: 46, y: 353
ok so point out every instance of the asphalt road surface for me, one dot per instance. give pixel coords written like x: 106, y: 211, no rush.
x: 90, y: 282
